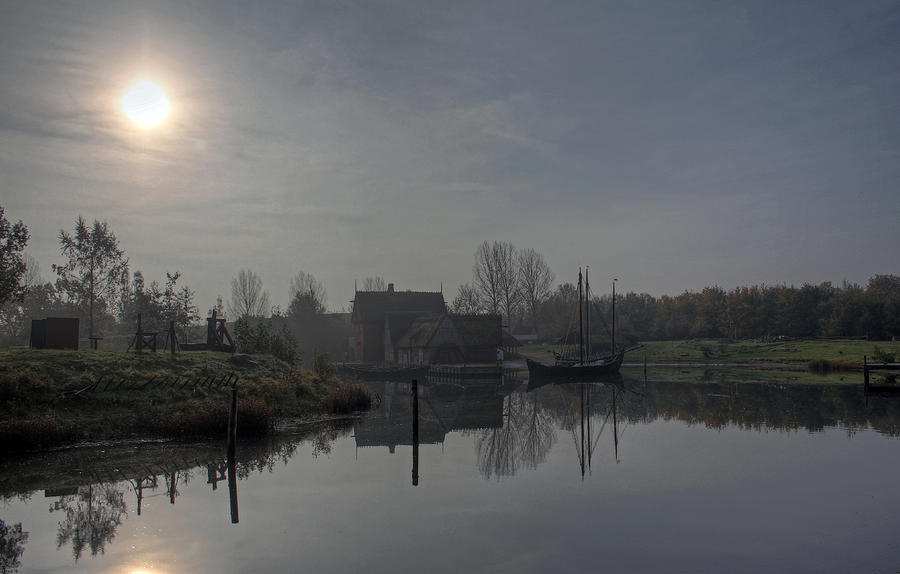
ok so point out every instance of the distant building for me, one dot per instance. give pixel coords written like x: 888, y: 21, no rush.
x: 450, y: 339
x: 414, y: 328
x: 380, y: 318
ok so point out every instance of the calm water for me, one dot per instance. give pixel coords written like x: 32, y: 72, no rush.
x: 627, y: 477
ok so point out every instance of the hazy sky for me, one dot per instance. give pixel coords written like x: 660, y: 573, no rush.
x: 671, y: 144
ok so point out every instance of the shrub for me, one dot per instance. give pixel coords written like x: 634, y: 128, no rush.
x: 882, y: 356
x: 323, y: 366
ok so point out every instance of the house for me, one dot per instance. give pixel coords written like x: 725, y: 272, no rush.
x: 450, y: 338
x: 380, y: 318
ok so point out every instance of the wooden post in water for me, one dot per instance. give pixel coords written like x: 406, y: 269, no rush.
x: 232, y: 422
x: 415, y: 432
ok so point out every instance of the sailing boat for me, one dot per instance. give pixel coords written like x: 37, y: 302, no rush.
x: 583, y: 366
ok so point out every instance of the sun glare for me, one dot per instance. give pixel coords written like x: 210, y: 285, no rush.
x: 145, y: 103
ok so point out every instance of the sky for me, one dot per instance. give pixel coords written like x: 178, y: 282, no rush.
x: 673, y: 145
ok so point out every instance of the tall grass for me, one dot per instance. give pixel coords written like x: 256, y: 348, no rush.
x: 349, y: 398
x: 209, y: 418
x: 825, y: 366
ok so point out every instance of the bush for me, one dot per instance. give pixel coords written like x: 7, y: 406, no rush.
x: 211, y: 419
x: 263, y: 339
x: 882, y: 356
x: 323, y: 366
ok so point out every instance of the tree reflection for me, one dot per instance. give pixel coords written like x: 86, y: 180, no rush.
x: 525, y: 438
x: 92, y: 517
x: 12, y: 545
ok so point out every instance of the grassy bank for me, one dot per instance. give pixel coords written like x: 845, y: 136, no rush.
x: 50, y: 398
x: 796, y: 353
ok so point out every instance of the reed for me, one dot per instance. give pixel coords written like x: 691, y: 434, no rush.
x: 349, y: 398
x: 825, y: 366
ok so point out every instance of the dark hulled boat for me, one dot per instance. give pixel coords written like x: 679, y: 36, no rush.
x: 578, y: 365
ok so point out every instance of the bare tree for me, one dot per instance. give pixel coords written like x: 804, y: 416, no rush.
x: 96, y: 270
x: 248, y: 299
x: 306, y: 284
x: 535, y: 281
x: 374, y: 284
x: 467, y: 300
x: 496, y: 276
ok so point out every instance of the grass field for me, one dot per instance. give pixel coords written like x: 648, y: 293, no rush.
x: 49, y: 398
x: 796, y: 353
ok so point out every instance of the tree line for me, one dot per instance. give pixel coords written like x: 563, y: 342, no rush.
x: 519, y: 285
x: 94, y: 282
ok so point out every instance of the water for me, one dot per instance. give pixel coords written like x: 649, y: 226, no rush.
x: 626, y: 477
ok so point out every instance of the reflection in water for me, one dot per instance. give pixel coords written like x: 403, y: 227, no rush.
x: 232, y: 487
x: 524, y: 440
x: 12, y: 545
x: 91, y: 518
x: 425, y: 413
x: 95, y: 507
x: 511, y: 429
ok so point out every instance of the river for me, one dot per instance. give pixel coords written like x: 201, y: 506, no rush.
x: 629, y: 475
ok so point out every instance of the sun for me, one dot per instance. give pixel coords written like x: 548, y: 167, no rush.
x: 145, y: 103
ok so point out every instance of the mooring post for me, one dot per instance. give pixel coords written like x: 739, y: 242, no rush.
x: 415, y: 432
x: 232, y: 422
x: 172, y: 337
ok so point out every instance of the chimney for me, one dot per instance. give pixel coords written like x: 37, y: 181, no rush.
x: 390, y: 288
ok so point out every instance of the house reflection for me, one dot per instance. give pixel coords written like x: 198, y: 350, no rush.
x: 426, y: 416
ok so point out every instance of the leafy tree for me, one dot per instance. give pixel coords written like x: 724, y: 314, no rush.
x: 262, y: 338
x: 186, y: 312
x: 96, y: 270
x: 13, y: 238
x: 248, y: 299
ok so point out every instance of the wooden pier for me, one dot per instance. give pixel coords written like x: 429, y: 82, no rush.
x: 888, y: 388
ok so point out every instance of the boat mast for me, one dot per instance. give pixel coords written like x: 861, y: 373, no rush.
x: 613, y: 342
x: 580, y: 319
x: 587, y: 314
